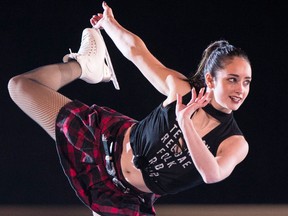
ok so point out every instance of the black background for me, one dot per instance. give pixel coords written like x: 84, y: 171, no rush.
x: 35, y: 33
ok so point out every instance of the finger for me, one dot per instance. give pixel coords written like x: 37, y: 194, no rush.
x: 100, y: 15
x: 194, y: 94
x: 92, y: 22
x: 202, y: 97
x: 94, y: 19
x: 205, y: 99
x: 205, y: 102
x: 179, y: 99
x: 104, y: 5
x: 202, y: 94
x: 97, y: 17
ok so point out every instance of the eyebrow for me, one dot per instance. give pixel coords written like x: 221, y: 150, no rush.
x: 236, y: 75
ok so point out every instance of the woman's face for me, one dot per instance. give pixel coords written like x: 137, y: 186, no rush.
x: 231, y: 85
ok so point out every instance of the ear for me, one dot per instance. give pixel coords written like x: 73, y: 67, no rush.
x: 209, y: 81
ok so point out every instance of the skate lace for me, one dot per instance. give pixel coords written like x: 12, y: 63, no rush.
x: 88, y: 47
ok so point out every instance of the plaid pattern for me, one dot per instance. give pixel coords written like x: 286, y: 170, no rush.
x: 78, y: 139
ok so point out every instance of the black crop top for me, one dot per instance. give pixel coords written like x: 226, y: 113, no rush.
x: 154, y: 141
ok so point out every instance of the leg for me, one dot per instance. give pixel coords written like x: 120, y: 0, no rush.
x: 35, y: 92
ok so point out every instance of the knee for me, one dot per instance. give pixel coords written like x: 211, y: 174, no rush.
x: 15, y: 85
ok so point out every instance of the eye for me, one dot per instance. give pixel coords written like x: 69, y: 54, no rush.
x: 232, y: 80
x: 247, y: 82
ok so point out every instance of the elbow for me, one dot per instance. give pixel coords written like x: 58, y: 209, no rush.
x: 134, y: 48
x: 131, y: 52
x: 212, y: 178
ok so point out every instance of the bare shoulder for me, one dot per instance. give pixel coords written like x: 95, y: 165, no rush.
x: 176, y: 85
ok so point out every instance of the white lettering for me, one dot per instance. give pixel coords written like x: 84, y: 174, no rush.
x: 159, y: 166
x: 166, y: 136
x: 165, y: 156
x: 174, y: 127
x: 161, y: 151
x: 170, y: 164
x: 170, y: 142
x: 180, y: 160
x: 153, y: 160
x: 176, y: 134
x: 154, y: 174
x: 186, y: 164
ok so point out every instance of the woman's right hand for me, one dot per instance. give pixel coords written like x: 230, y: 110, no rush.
x: 98, y: 20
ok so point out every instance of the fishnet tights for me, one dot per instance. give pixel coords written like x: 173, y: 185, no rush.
x: 35, y: 92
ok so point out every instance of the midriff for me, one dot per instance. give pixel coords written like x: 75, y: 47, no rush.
x: 132, y: 175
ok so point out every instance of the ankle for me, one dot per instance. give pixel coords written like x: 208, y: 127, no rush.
x: 70, y: 71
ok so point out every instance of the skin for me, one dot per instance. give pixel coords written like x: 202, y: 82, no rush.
x: 226, y: 92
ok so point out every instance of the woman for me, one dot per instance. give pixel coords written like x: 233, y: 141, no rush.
x: 120, y: 166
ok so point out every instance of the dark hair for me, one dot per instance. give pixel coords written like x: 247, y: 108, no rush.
x: 214, y: 58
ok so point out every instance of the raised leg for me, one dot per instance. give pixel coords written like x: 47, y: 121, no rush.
x: 35, y: 92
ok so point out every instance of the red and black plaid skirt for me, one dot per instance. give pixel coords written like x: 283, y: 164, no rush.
x: 79, y: 129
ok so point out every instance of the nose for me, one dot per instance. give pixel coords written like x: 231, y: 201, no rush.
x: 239, y: 88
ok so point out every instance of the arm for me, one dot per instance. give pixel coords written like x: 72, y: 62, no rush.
x: 135, y: 50
x: 230, y: 153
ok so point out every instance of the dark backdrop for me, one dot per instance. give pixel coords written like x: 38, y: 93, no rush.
x: 36, y: 32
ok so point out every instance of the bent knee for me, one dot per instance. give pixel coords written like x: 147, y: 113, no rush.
x: 16, y: 86
x: 12, y: 84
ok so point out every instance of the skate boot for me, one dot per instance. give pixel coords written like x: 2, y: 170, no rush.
x: 94, y: 59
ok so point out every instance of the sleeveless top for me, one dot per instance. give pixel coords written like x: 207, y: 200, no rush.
x: 155, y: 140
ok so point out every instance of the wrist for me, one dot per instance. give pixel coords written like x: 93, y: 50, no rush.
x: 109, y: 21
x: 185, y: 122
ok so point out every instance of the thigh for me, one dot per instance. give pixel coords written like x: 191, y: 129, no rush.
x: 39, y: 102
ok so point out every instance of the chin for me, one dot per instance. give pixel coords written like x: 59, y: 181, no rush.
x: 235, y: 107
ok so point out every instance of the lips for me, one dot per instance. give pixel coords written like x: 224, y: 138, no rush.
x: 236, y: 99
